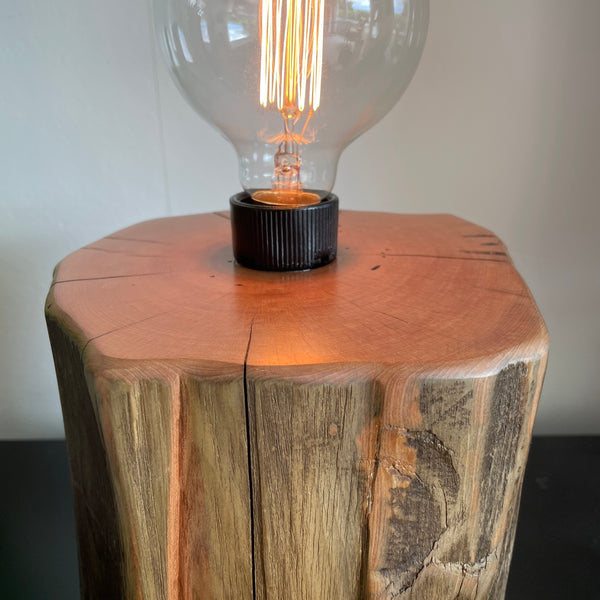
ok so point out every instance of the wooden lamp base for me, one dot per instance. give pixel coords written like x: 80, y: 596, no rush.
x: 355, y: 432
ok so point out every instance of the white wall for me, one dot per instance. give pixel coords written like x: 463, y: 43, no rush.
x: 500, y: 126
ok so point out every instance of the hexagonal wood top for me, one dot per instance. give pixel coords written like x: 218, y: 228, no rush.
x: 426, y: 290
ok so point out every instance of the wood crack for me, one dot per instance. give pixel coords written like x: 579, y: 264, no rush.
x: 142, y: 241
x: 122, y: 327
x: 110, y: 277
x: 368, y: 309
x: 460, y: 587
x: 472, y: 569
x: 501, y: 291
x: 123, y: 252
x: 249, y: 447
x: 481, y: 259
x: 488, y: 252
x: 385, y: 314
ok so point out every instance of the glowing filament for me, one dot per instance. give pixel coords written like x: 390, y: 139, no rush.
x: 291, y: 54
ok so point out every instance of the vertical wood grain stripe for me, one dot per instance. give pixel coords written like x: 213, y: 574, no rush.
x: 215, y: 543
x: 135, y: 418
x: 311, y: 487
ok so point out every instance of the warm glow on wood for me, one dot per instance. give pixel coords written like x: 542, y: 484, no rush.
x: 291, y: 53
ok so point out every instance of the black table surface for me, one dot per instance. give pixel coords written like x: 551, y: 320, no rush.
x: 556, y: 555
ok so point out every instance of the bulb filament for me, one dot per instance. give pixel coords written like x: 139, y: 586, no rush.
x: 291, y: 53
x: 291, y: 69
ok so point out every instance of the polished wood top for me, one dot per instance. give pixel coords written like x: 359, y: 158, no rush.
x: 405, y: 290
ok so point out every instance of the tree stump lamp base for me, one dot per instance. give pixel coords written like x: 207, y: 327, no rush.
x: 355, y: 432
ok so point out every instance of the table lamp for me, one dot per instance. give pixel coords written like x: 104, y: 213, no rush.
x: 290, y: 83
x: 349, y: 433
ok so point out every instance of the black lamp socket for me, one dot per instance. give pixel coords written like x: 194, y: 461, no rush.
x: 280, y: 238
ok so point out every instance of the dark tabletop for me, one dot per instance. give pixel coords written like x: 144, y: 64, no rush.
x: 556, y: 555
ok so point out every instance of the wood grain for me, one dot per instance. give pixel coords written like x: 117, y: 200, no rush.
x: 359, y: 431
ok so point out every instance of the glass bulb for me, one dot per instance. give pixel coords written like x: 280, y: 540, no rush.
x: 291, y: 82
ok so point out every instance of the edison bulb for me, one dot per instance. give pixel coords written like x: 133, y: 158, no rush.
x: 290, y: 83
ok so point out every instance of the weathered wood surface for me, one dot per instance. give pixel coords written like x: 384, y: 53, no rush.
x: 355, y: 432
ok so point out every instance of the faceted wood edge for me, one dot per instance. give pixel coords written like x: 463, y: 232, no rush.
x: 406, y: 481
x: 430, y: 522
x: 162, y: 515
x: 404, y: 289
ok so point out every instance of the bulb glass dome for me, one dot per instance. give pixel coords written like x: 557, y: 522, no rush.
x: 291, y: 82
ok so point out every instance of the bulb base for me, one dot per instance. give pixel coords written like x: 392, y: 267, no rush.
x: 280, y: 238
